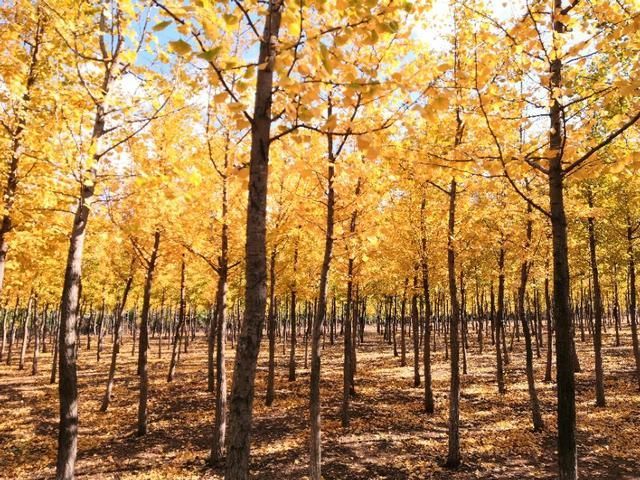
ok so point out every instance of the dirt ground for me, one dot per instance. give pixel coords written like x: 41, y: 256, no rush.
x: 390, y: 437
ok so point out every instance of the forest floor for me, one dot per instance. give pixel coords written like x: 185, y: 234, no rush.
x: 389, y: 438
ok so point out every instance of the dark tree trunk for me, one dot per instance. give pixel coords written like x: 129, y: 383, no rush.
x: 567, y: 457
x: 12, y: 331
x: 632, y: 296
x: 116, y: 345
x: 144, y: 337
x: 211, y: 347
x: 271, y: 329
x: 567, y: 454
x: 416, y: 333
x: 348, y: 338
x: 616, y: 305
x: 293, y: 320
x: 547, y: 304
x: 54, y: 361
x: 597, y: 307
x: 242, y: 393
x: 394, y: 326
x: 453, y: 456
x: 25, y: 331
x: 100, y: 327
x: 318, y: 320
x: 175, y: 350
x: 428, y: 391
x: 499, y: 321
x: 538, y: 424
x: 4, y: 332
x: 348, y: 387
x: 403, y: 325
x: 36, y: 337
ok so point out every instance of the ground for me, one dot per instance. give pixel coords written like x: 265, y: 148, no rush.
x: 390, y: 437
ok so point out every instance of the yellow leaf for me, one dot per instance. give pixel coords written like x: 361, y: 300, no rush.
x: 180, y: 47
x: 161, y: 26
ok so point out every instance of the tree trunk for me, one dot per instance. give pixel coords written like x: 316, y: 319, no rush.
x: 69, y: 304
x: 100, y: 330
x: 348, y: 338
x: 453, y: 456
x: 632, y: 296
x: 318, y: 320
x: 144, y: 337
x: 538, y: 424
x: 116, y: 345
x: 616, y: 305
x: 4, y: 332
x: 211, y: 343
x: 403, y: 325
x: 271, y: 327
x: 12, y: 331
x: 220, y: 418
x: 175, y: 351
x: 293, y: 319
x: 499, y: 321
x: 597, y: 307
x: 564, y: 338
x: 567, y: 455
x: 415, y: 319
x: 547, y: 303
x: 241, y: 403
x: 36, y: 337
x: 54, y: 360
x: 348, y: 384
x: 25, y: 331
x: 429, y: 406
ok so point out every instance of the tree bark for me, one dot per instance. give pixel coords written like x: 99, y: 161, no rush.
x: 211, y: 347
x: 248, y: 345
x: 12, y: 331
x: 631, y: 263
x: 597, y: 306
x: 567, y: 454
x: 144, y: 337
x: 36, y: 337
x: 220, y: 417
x: 25, y: 331
x: 499, y: 321
x: 415, y: 319
x: 293, y: 319
x: 271, y: 327
x: 453, y: 456
x: 5, y: 312
x: 68, y: 383
x: 54, y: 360
x: 175, y: 351
x: 348, y: 338
x: 547, y: 303
x: 429, y: 406
x: 538, y: 424
x: 116, y: 345
x: 403, y: 325
x: 318, y: 320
